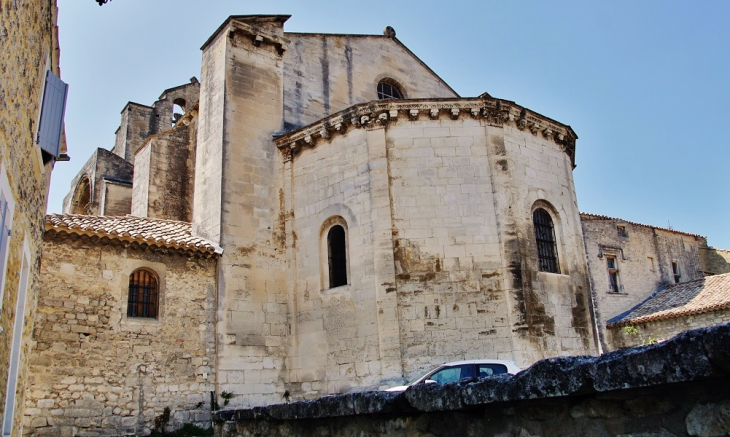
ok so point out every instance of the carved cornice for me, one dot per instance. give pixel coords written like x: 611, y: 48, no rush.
x: 380, y: 113
x: 241, y: 31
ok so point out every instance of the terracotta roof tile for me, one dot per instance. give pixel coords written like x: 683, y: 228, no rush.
x: 587, y: 216
x: 704, y: 295
x: 153, y: 232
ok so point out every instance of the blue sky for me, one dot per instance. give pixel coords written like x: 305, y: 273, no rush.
x: 645, y: 84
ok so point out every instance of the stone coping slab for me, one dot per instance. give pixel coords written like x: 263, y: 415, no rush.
x: 691, y: 356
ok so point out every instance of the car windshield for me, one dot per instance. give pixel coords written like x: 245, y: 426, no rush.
x: 413, y: 381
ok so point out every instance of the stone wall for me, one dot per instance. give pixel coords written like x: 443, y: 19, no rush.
x: 116, y: 198
x: 28, y: 48
x: 96, y: 371
x: 662, y: 330
x: 644, y: 256
x: 678, y: 388
x: 715, y: 261
x: 87, y: 188
x: 237, y: 204
x: 163, y: 175
x: 138, y: 122
x: 324, y: 74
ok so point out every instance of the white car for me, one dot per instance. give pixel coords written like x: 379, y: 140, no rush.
x: 458, y: 370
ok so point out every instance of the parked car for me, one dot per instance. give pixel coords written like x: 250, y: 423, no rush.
x: 458, y: 370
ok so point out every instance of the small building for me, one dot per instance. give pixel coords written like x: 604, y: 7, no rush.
x: 673, y: 309
x: 630, y: 261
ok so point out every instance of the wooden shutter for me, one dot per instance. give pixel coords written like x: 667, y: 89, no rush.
x: 4, y: 234
x: 52, y: 112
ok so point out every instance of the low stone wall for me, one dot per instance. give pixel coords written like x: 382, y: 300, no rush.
x: 676, y: 388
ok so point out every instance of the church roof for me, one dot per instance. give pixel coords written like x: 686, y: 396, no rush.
x: 145, y: 231
x: 704, y: 295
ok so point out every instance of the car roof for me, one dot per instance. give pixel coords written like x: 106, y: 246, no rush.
x: 456, y: 363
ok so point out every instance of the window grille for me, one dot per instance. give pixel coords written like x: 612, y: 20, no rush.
x: 337, y: 255
x: 545, y: 236
x: 143, y: 290
x: 388, y: 90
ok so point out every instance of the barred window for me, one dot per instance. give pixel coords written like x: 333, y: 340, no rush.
x: 387, y: 89
x: 337, y: 256
x: 143, y: 293
x: 545, y: 236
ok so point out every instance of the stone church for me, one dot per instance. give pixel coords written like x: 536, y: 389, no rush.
x: 323, y: 214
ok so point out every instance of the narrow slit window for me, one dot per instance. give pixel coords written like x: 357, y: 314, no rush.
x: 675, y: 270
x: 545, y: 236
x: 143, y: 293
x: 337, y: 256
x: 612, y: 266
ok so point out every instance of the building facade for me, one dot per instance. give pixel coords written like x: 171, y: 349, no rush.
x: 32, y: 101
x: 630, y: 261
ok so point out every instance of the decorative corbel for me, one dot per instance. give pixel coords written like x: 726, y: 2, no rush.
x: 475, y: 112
x: 547, y: 133
x: 257, y: 40
x: 383, y: 118
x: 393, y: 113
x: 340, y: 127
x: 454, y: 113
x: 309, y: 140
x: 561, y: 137
x: 324, y: 133
x: 413, y: 114
x: 355, y: 121
x: 434, y: 113
x: 365, y: 119
x: 535, y: 128
x: 522, y: 122
x: 288, y: 153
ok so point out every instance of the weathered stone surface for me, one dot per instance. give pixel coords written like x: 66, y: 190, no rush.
x: 711, y: 419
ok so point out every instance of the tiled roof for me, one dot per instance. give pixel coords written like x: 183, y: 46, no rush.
x: 152, y: 232
x: 704, y: 295
x: 605, y: 217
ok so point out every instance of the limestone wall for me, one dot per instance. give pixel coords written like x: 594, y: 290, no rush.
x: 138, y: 122
x: 237, y: 203
x: 468, y: 281
x: 163, y: 175
x: 28, y: 47
x: 336, y: 345
x: 715, y: 261
x: 662, y: 330
x: 96, y: 371
x: 644, y: 257
x: 324, y: 74
x: 116, y: 199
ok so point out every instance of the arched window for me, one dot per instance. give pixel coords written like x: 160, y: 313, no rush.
x: 178, y: 109
x: 82, y: 197
x: 388, y: 89
x: 143, y: 293
x: 547, y: 251
x: 337, y: 256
